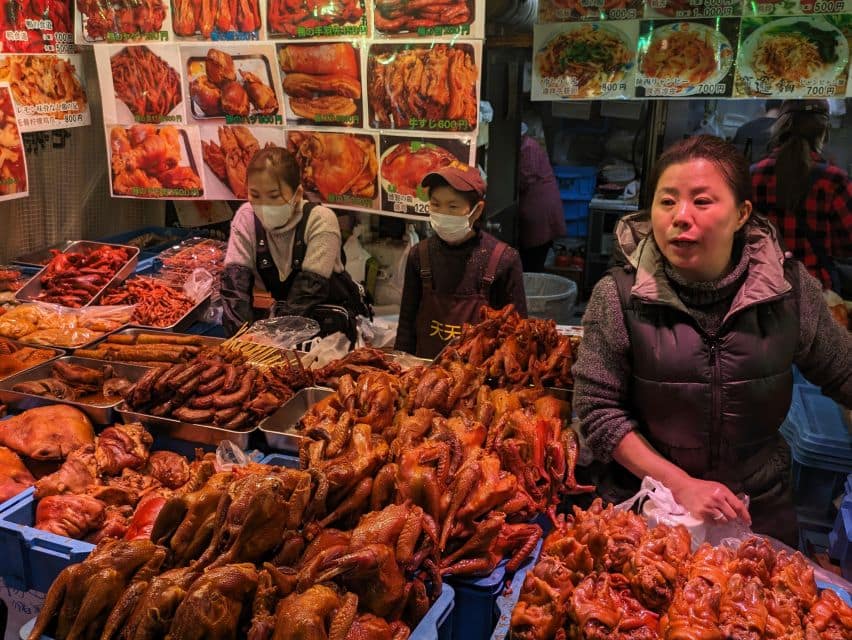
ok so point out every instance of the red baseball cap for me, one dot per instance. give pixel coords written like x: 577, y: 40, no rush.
x: 459, y: 176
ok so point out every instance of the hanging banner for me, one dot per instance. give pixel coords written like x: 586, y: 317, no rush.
x: 583, y: 60
x: 227, y: 150
x: 405, y: 160
x: 150, y: 161
x: 592, y: 10
x: 322, y: 83
x: 120, y: 21
x: 36, y: 26
x: 216, y: 21
x: 794, y: 57
x: 141, y: 83
x: 686, y: 59
x: 14, y: 182
x: 309, y: 19
x: 397, y: 99
x: 232, y: 83
x: 49, y: 90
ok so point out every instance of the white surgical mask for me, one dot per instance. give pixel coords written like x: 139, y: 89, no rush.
x: 451, y: 229
x: 274, y: 216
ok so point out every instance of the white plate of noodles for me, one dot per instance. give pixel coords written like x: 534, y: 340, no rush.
x: 798, y: 51
x: 687, y: 56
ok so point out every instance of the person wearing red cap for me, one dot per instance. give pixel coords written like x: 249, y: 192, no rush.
x: 452, y: 274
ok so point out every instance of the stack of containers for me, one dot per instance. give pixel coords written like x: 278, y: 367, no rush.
x: 821, y: 446
x: 840, y: 538
x: 576, y: 187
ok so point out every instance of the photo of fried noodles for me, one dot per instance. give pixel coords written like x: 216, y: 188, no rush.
x: 145, y: 82
x: 687, y: 55
x: 44, y: 80
x: 588, y: 56
x: 791, y: 57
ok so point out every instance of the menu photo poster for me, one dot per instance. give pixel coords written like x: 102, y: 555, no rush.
x: 62, y: 104
x: 14, y: 180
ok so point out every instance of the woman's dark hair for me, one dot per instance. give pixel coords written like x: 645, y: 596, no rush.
x: 279, y: 162
x: 726, y: 157
x: 799, y: 131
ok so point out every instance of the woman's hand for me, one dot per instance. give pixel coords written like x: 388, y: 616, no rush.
x: 710, y: 501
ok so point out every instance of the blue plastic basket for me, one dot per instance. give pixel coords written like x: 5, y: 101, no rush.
x: 507, y: 601
x: 577, y: 229
x: 576, y: 183
x: 574, y: 210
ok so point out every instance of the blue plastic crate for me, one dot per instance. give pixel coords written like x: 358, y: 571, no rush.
x: 577, y: 229
x: 31, y: 559
x: 435, y: 625
x: 281, y: 460
x: 819, y: 423
x: 814, y: 489
x: 576, y: 183
x: 840, y: 540
x: 506, y: 602
x: 574, y: 210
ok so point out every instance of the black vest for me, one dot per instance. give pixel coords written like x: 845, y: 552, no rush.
x: 713, y: 404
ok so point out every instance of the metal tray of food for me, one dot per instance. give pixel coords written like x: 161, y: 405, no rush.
x: 279, y: 429
x: 201, y: 433
x: 101, y: 413
x: 30, y: 291
x: 16, y: 346
x: 40, y: 258
x: 132, y: 332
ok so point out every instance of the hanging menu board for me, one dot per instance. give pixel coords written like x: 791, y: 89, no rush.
x: 585, y: 49
x: 368, y: 95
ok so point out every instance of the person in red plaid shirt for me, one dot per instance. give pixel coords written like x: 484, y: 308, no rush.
x: 808, y: 199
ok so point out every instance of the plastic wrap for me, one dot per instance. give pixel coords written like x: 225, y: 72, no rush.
x: 284, y: 332
x: 57, y: 326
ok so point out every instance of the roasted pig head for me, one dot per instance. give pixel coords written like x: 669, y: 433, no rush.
x: 47, y: 433
x: 70, y: 515
x: 14, y: 476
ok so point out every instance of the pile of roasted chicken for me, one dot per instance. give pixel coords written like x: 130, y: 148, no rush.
x: 218, y: 92
x: 603, y: 574
x: 515, y: 350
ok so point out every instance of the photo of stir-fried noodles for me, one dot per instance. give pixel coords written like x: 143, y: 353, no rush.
x: 791, y: 57
x: 687, y: 54
x: 588, y: 55
x: 145, y: 82
x: 44, y: 80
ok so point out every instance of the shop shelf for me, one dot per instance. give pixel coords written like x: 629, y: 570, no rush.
x: 575, y: 210
x: 576, y: 183
x: 840, y: 540
x: 506, y: 602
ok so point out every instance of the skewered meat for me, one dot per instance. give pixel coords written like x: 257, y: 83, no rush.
x: 235, y: 100
x: 14, y: 476
x: 47, y: 433
x: 69, y: 515
x: 220, y: 67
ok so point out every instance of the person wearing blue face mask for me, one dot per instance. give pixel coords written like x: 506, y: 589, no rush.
x: 291, y: 245
x: 452, y: 274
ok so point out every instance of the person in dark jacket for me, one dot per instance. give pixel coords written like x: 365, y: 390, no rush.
x: 451, y: 275
x: 684, y: 371
x: 753, y: 137
x: 292, y: 246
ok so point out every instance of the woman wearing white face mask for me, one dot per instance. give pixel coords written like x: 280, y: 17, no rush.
x: 452, y: 274
x: 291, y: 245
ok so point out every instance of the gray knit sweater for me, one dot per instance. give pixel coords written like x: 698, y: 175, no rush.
x: 603, y: 371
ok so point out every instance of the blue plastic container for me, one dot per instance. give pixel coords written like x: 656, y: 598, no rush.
x: 576, y: 183
x: 840, y: 540
x: 577, y: 229
x: 506, y: 602
x: 574, y: 210
x: 435, y: 625
x: 820, y: 425
x: 281, y: 460
x: 31, y: 559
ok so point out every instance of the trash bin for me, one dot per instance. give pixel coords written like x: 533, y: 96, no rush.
x: 550, y: 296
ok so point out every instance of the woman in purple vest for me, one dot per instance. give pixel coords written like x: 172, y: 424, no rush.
x: 684, y: 372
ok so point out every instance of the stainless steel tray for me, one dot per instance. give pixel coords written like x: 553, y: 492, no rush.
x: 280, y: 428
x: 183, y: 323
x: 99, y: 413
x: 201, y: 433
x: 204, y: 341
x: 31, y: 290
x: 55, y: 353
x: 41, y: 257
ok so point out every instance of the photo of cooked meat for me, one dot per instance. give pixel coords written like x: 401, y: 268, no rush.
x: 224, y: 84
x: 227, y: 152
x: 423, y: 87
x: 398, y: 16
x: 340, y: 167
x: 300, y: 18
x: 146, y: 83
x: 322, y: 83
x: 567, y: 10
x: 13, y: 167
x: 53, y: 81
x: 49, y: 26
x: 206, y: 19
x: 129, y: 19
x: 147, y: 161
